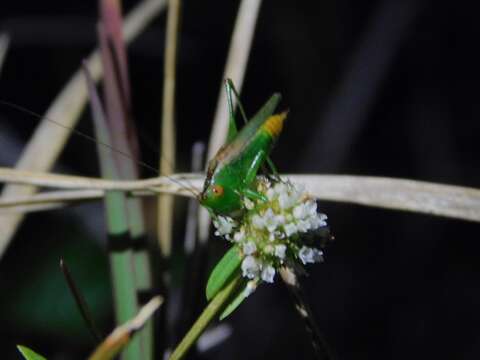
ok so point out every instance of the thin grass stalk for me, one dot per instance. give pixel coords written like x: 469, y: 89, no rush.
x: 49, y: 140
x: 80, y: 302
x: 235, y: 69
x: 4, y: 46
x: 168, y: 135
x: 216, y: 305
x: 195, y: 257
x: 119, y: 240
x: 165, y: 203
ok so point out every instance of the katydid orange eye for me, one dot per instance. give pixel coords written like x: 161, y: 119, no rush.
x: 217, y: 190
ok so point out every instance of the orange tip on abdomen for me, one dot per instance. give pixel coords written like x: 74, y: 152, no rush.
x: 274, y: 124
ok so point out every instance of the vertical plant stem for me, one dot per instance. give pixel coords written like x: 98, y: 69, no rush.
x: 167, y: 151
x: 119, y: 240
x: 123, y: 135
x: 121, y: 264
x: 320, y: 347
x: 81, y: 302
x: 195, y: 256
x: 4, y: 45
x: 213, y: 309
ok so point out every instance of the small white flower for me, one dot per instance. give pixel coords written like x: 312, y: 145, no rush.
x: 249, y: 248
x: 280, y: 219
x: 258, y: 222
x: 290, y: 229
x: 268, y: 249
x: 318, y: 221
x: 271, y: 194
x: 224, y: 225
x: 311, y: 208
x: 250, y: 267
x: 300, y: 212
x: 249, y: 204
x: 272, y: 236
x: 317, y: 255
x: 303, y: 226
x: 239, y: 235
x: 268, y: 273
x: 285, y: 201
x: 310, y: 255
x: 270, y: 220
x: 250, y: 288
x: 280, y: 188
x: 280, y: 251
x: 263, y: 184
x: 296, y: 192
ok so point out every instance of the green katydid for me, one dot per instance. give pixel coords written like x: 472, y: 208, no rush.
x: 234, y: 168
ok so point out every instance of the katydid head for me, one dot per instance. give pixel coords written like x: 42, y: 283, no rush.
x: 219, y: 199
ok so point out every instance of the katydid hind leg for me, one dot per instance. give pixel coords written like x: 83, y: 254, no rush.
x: 255, y: 166
x: 252, y: 174
x: 232, y: 126
x: 254, y: 195
x: 231, y: 88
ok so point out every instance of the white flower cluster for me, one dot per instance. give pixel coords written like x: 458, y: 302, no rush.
x: 271, y: 230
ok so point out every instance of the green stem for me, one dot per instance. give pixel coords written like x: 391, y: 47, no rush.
x: 217, y: 304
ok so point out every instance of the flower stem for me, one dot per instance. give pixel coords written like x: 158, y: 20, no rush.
x: 217, y: 304
x: 321, y: 348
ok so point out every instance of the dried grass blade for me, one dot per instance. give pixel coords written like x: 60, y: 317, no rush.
x: 459, y: 202
x: 168, y: 134
x: 122, y: 335
x: 398, y: 194
x: 153, y: 185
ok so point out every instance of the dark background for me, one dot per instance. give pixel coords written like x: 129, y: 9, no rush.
x: 385, y: 87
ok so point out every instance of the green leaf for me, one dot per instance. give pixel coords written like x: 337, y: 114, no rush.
x: 239, y: 298
x: 223, y: 272
x: 29, y: 354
